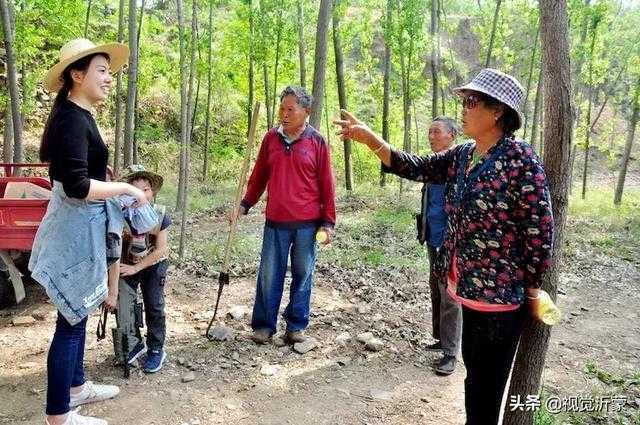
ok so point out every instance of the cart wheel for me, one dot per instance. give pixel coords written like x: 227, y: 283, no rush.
x: 7, y: 297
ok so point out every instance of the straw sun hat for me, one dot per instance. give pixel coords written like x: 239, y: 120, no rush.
x: 79, y: 48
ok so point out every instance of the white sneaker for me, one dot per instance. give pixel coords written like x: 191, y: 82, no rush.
x: 93, y: 392
x: 73, y: 418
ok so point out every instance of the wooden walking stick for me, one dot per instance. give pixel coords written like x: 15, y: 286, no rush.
x: 223, y: 278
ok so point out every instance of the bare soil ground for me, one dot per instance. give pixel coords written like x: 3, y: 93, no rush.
x: 334, y: 383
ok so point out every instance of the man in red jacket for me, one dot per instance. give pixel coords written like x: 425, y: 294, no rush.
x: 294, y: 166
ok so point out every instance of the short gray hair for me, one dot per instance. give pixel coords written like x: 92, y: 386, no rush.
x: 303, y: 98
x: 450, y: 123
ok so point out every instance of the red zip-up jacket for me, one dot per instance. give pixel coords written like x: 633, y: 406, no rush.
x: 298, y: 178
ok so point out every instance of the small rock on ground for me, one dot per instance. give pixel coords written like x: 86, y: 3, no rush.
x: 236, y: 312
x: 374, y: 344
x: 343, y: 338
x: 270, y: 370
x: 380, y: 395
x: 364, y: 337
x: 222, y: 333
x: 189, y: 377
x: 23, y: 321
x: 306, y: 346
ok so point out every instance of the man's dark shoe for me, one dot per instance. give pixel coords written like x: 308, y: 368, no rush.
x: 294, y: 337
x: 446, y: 365
x: 261, y: 336
x: 434, y: 347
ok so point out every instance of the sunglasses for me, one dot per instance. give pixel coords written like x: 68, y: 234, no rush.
x: 471, y: 101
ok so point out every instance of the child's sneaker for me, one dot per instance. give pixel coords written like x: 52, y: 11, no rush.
x: 137, y: 351
x: 93, y: 392
x: 155, y: 360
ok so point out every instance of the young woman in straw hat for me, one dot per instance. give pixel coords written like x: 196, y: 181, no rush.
x: 69, y: 256
x: 499, y: 228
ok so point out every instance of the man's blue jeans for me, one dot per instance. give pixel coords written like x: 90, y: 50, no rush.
x: 277, y: 243
x: 65, y: 364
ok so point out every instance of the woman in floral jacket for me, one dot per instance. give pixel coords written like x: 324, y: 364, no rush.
x: 499, y: 231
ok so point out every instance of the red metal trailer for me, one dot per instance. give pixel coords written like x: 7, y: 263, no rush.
x: 19, y: 221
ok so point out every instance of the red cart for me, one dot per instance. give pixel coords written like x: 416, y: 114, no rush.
x: 20, y: 217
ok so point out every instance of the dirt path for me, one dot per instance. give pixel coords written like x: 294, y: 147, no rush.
x: 335, y: 383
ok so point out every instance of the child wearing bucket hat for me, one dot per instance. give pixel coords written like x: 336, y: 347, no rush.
x: 499, y: 228
x: 70, y: 245
x: 144, y: 264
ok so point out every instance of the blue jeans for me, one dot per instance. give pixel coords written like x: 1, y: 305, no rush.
x: 276, y: 245
x: 65, y: 364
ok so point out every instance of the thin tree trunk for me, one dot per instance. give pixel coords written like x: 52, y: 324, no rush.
x: 301, y: 49
x: 386, y: 83
x: 320, y: 60
x: 86, y: 19
x: 7, y: 147
x: 606, y: 99
x: 190, y: 114
x: 275, y: 69
x: 435, y: 59
x: 205, y: 155
x: 129, y: 118
x: 627, y: 148
x: 342, y: 95
x: 534, y: 342
x: 536, y: 111
x: 326, y: 119
x: 12, y: 80
x: 137, y: 113
x: 184, y: 116
x: 587, y: 126
x: 251, y: 66
x: 265, y: 64
x: 525, y: 107
x: 117, y: 146
x: 415, y: 122
x: 496, y: 16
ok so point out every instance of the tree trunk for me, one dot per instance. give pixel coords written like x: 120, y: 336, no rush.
x: 205, y: 153
x: 7, y: 147
x: 132, y: 82
x: 301, y: 52
x: 184, y: 116
x: 536, y: 110
x: 137, y: 113
x: 117, y: 146
x: 627, y: 148
x: 525, y: 107
x: 320, y: 61
x: 415, y: 122
x: 12, y: 80
x: 275, y: 69
x: 86, y: 20
x: 386, y: 83
x: 534, y: 342
x: 587, y: 137
x: 265, y: 63
x: 342, y: 95
x: 496, y: 16
x: 606, y: 98
x: 435, y: 58
x: 251, y: 65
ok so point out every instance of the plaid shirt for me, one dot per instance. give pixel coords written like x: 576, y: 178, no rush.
x: 500, y: 225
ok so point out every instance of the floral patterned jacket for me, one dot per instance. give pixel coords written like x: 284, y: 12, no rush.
x: 500, y: 226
